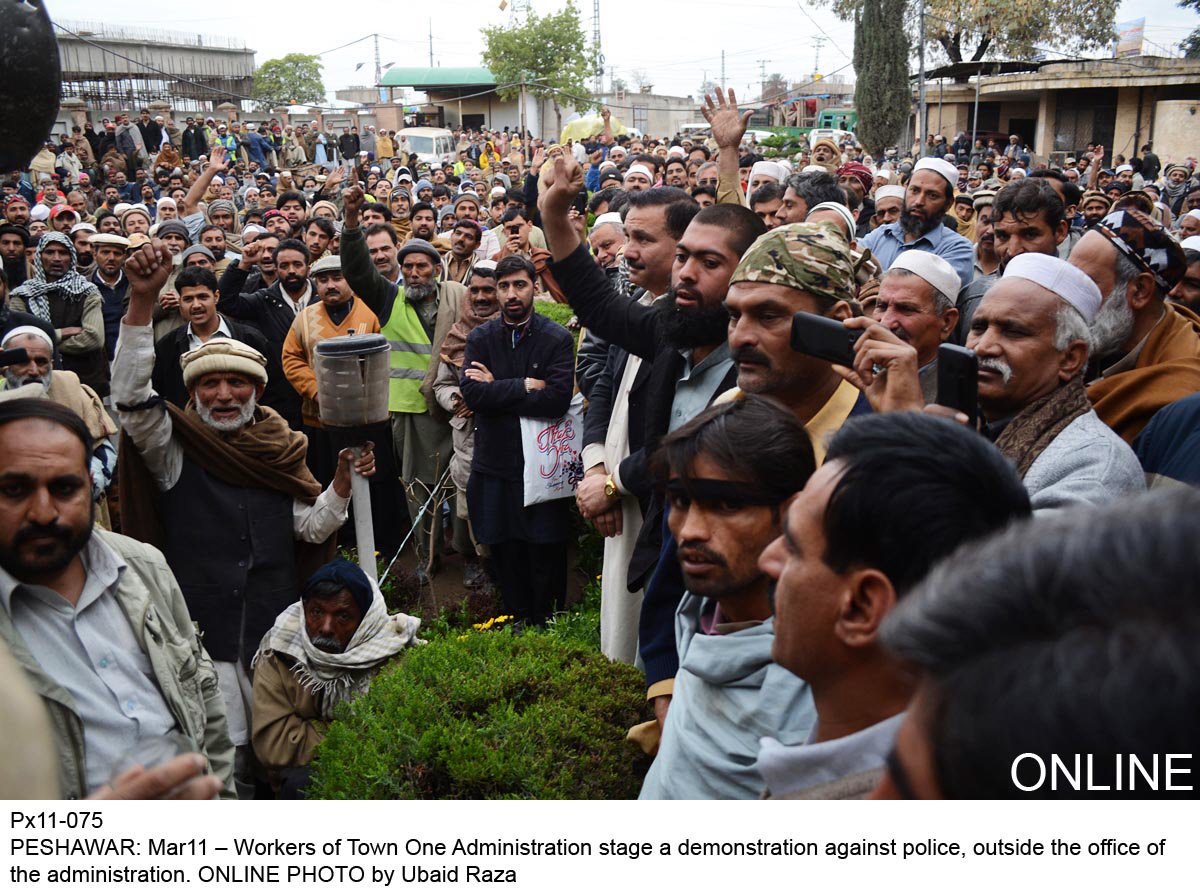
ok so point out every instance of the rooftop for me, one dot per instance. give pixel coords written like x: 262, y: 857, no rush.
x: 423, y: 78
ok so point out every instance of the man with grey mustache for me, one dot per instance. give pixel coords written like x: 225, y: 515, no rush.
x: 1031, y: 335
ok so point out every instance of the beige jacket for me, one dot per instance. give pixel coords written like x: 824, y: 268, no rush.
x: 152, y: 601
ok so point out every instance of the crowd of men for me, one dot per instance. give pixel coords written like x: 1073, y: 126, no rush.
x: 835, y: 584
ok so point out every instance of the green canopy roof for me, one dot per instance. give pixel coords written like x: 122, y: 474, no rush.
x: 424, y: 78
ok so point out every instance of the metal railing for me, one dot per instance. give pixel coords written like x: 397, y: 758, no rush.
x: 104, y: 31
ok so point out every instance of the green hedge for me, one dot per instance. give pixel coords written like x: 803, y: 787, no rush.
x: 489, y: 714
x: 559, y: 313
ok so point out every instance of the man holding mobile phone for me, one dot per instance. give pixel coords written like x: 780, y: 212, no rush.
x: 1031, y: 337
x: 916, y: 304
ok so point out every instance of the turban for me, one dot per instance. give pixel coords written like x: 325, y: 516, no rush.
x: 222, y: 205
x: 861, y: 172
x: 1147, y: 244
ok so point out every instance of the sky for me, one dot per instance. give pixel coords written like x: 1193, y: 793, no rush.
x: 672, y: 42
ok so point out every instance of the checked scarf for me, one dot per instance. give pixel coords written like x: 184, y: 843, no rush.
x: 35, y: 289
x: 335, y: 678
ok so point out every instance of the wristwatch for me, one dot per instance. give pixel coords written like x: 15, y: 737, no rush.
x: 610, y: 487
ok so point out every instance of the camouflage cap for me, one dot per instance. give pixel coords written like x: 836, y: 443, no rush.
x: 812, y: 257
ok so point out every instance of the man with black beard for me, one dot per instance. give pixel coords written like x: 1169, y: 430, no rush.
x: 926, y: 200
x: 14, y: 239
x: 683, y: 339
x: 271, y: 310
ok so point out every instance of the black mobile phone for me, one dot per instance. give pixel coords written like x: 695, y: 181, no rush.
x: 13, y: 355
x: 822, y: 337
x: 958, y: 380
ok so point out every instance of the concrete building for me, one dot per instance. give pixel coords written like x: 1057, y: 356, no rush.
x: 459, y: 96
x: 467, y: 97
x: 202, y: 72
x: 1058, y: 108
x: 654, y: 114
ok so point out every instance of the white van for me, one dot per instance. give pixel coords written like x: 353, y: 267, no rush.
x: 433, y: 145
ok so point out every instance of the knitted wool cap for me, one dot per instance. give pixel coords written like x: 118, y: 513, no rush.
x: 223, y: 355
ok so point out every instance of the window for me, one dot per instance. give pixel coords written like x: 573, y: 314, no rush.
x: 420, y: 145
x: 641, y: 116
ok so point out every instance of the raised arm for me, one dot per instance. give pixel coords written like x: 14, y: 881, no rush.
x: 728, y: 127
x: 218, y: 163
x: 145, y: 419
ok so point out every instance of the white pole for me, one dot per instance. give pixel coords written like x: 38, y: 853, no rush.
x: 364, y: 531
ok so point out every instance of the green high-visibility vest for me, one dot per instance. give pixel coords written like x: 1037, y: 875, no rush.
x: 410, y: 357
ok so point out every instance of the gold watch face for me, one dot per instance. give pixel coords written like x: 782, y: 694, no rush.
x: 610, y: 489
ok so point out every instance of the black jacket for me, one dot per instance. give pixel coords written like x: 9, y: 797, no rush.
x: 269, y: 312
x: 600, y: 403
x: 546, y: 352
x: 194, y: 142
x: 348, y: 145
x: 637, y: 329
x: 168, y: 374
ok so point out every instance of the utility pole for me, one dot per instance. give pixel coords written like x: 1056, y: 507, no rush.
x: 818, y: 42
x: 722, y: 69
x: 378, y: 68
x: 599, y: 85
x: 524, y: 142
x: 762, y: 78
x: 431, y: 43
x: 924, y: 112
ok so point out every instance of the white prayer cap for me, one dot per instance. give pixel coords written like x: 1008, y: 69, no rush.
x: 837, y: 208
x: 1194, y: 213
x: 120, y: 208
x: 1191, y: 243
x: 813, y: 169
x: 890, y: 192
x: 35, y: 331
x: 39, y: 212
x: 253, y: 230
x: 1066, y: 281
x: 676, y: 152
x: 82, y: 227
x: 608, y: 217
x: 933, y: 269
x: 768, y: 169
x: 941, y: 167
x: 1121, y: 169
x: 640, y: 169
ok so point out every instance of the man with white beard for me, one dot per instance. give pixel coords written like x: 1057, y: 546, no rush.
x: 1146, y: 349
x: 221, y: 487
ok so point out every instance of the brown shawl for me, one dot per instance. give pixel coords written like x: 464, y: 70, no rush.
x: 266, y: 454
x: 1167, y: 369
x: 454, y: 345
x: 1032, y: 430
x: 540, y: 258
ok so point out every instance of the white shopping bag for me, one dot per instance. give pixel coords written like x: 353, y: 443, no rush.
x: 553, y: 451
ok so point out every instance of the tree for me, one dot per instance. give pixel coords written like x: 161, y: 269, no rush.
x: 1191, y: 44
x: 775, y: 88
x: 966, y: 30
x: 549, y: 53
x: 881, y: 93
x: 296, y: 78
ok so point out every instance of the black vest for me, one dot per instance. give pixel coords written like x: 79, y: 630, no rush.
x: 233, y: 551
x: 91, y: 366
